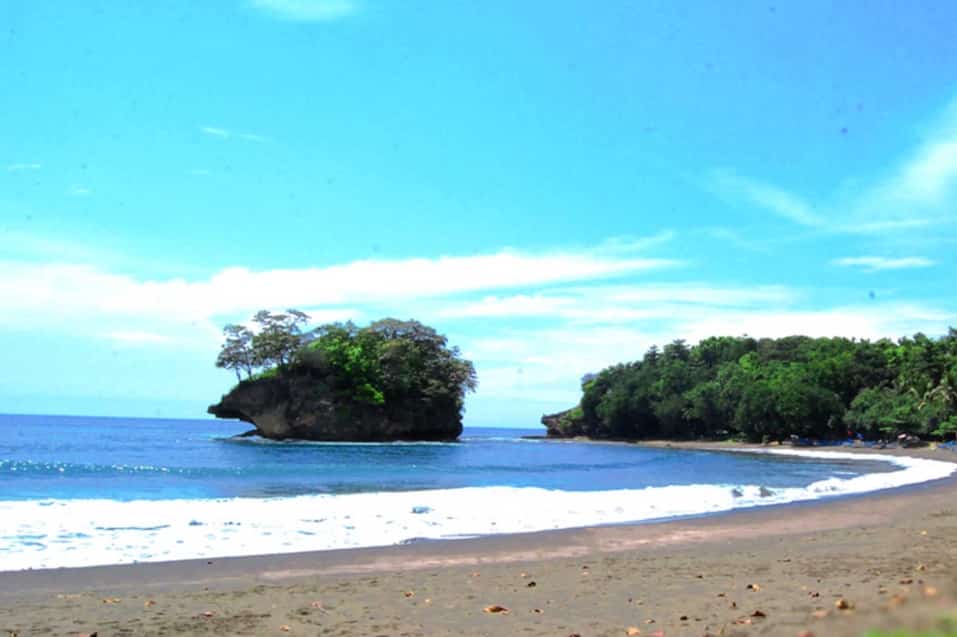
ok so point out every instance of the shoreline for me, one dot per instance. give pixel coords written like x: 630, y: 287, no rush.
x: 906, y: 469
x: 862, y: 546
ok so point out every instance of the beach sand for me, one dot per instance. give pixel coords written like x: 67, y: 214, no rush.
x: 834, y: 568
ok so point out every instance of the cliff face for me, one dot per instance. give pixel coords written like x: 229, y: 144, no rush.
x: 564, y: 424
x: 306, y: 407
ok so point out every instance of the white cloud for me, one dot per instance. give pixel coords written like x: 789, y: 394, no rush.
x: 774, y: 199
x: 617, y: 245
x: 23, y: 166
x: 920, y: 190
x: 47, y: 290
x: 321, y: 315
x: 80, y: 191
x: 137, y: 337
x: 215, y: 131
x: 225, y: 133
x: 875, y: 264
x: 307, y: 10
x: 618, y: 304
x: 521, y: 305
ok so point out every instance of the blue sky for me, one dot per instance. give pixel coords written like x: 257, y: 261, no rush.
x: 555, y: 186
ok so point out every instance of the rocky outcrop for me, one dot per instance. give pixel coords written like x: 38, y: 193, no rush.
x: 564, y: 424
x: 305, y: 406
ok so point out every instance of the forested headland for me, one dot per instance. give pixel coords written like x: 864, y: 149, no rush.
x: 390, y: 380
x: 770, y: 389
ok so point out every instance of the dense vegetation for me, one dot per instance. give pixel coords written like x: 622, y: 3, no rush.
x: 401, y: 366
x: 770, y: 389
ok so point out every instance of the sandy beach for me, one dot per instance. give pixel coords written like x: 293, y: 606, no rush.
x: 832, y: 568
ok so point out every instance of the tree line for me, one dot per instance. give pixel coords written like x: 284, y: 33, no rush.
x: 397, y: 364
x: 770, y: 389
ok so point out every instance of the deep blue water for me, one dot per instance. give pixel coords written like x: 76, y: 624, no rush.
x: 69, y: 457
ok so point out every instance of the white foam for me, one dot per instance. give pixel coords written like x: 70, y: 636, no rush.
x: 62, y: 533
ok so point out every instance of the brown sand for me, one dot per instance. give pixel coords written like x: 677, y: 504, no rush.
x: 891, y: 556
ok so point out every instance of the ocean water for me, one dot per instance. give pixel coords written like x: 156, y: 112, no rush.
x: 77, y: 491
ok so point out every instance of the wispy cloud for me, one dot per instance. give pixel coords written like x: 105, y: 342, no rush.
x: 612, y: 304
x: 216, y: 131
x: 23, y: 166
x: 225, y: 133
x: 68, y: 289
x: 776, y: 200
x: 618, y: 245
x: 80, y: 191
x: 307, y: 10
x: 875, y: 264
x: 137, y: 337
x: 918, y: 191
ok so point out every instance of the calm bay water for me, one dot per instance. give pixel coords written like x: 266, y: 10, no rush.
x: 81, y: 490
x: 128, y: 459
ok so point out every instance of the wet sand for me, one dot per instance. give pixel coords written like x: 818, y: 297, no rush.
x: 835, y: 568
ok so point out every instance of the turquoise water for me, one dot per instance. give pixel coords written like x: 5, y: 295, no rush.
x: 78, y: 491
x: 125, y: 459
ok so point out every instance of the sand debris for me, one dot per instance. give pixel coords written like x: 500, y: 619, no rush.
x: 819, y: 614
x: 843, y: 604
x: 409, y: 593
x: 632, y: 631
x: 537, y: 611
x: 495, y: 608
x: 758, y: 613
x: 208, y: 613
x: 111, y: 600
x: 149, y: 603
x: 906, y: 580
x: 285, y: 628
x: 531, y: 584
x: 896, y: 599
x: 753, y: 587
x: 930, y: 591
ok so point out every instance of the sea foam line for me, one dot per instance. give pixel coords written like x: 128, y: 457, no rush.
x: 63, y: 533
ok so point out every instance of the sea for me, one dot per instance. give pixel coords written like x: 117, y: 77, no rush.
x: 82, y: 491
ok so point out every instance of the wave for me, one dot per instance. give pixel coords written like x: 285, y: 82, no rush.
x: 67, y: 533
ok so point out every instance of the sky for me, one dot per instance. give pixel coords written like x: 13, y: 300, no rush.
x: 555, y: 186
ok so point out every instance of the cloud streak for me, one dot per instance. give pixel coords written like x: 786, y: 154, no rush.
x: 225, y: 133
x: 307, y: 10
x: 876, y: 264
x: 47, y: 290
x: 920, y: 190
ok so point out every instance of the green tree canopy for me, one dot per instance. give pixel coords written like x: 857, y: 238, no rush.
x: 774, y: 388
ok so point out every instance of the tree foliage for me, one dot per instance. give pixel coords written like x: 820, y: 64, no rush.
x: 405, y: 367
x: 773, y: 388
